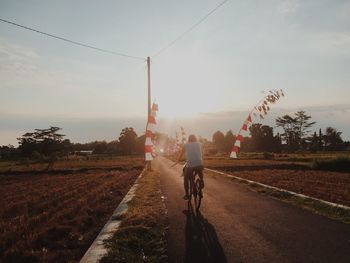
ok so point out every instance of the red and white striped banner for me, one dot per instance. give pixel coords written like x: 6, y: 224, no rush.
x: 183, y: 135
x: 177, y: 142
x: 150, y: 131
x: 260, y: 110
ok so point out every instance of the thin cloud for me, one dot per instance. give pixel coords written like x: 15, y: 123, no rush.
x: 16, y: 58
x: 289, y: 6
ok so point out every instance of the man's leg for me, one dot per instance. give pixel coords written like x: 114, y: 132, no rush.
x: 200, y: 174
x: 185, y: 180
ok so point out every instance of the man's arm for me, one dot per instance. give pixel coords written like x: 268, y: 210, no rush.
x: 181, y: 155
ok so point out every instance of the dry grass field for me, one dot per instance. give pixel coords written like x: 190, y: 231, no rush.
x: 295, y: 176
x: 73, y: 163
x: 54, y: 217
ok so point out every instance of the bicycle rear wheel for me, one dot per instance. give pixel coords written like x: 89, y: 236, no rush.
x: 198, y: 193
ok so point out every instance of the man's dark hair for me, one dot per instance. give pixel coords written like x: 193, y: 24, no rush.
x: 192, y: 138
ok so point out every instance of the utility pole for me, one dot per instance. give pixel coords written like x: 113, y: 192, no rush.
x: 149, y: 167
x: 149, y: 84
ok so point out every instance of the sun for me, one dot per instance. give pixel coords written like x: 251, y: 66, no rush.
x: 186, y: 103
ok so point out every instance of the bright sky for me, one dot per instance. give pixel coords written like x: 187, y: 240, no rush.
x: 221, y: 67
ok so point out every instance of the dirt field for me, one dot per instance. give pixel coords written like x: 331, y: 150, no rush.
x: 293, y: 176
x: 73, y: 163
x: 55, y: 217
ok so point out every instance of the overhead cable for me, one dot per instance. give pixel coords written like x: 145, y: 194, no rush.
x: 190, y: 29
x: 72, y: 41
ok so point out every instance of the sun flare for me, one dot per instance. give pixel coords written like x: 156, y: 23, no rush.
x: 187, y: 103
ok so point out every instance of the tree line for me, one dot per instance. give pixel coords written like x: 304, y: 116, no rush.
x: 296, y: 136
x: 49, y: 144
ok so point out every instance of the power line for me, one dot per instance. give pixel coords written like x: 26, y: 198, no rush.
x: 190, y: 29
x: 73, y: 42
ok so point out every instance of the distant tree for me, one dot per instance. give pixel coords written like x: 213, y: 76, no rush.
x: 296, y: 129
x: 113, y: 147
x: 229, y: 141
x: 278, y: 142
x: 100, y: 148
x: 320, y: 140
x: 8, y: 152
x: 127, y: 141
x: 42, y: 141
x: 332, y: 139
x: 67, y: 147
x: 207, y: 146
x: 219, y: 141
x: 140, y: 144
x: 288, y: 123
x: 347, y: 146
x: 314, y: 143
x: 262, y: 139
x: 302, y: 126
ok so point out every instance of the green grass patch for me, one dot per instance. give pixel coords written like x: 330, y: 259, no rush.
x: 141, y: 235
x: 304, y: 157
x: 339, y: 164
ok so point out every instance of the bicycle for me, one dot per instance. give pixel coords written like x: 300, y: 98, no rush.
x: 195, y: 189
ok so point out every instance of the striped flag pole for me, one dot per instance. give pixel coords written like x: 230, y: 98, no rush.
x: 150, y: 131
x: 183, y: 134
x: 177, y: 142
x: 260, y: 110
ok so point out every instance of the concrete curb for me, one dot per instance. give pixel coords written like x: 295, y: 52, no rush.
x: 97, y: 249
x: 282, y: 190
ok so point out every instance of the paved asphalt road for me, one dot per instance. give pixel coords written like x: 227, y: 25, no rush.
x: 239, y: 225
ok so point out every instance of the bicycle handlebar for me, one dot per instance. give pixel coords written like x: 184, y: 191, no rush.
x: 177, y: 163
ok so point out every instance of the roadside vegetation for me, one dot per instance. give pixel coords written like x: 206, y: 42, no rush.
x: 323, y: 161
x: 334, y: 212
x: 141, y: 235
x: 341, y: 164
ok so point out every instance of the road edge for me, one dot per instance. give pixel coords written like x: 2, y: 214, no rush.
x: 280, y: 189
x: 326, y: 208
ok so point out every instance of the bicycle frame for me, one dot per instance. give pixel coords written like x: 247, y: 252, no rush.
x: 195, y: 188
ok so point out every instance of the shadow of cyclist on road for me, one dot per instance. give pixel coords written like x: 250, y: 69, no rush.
x: 202, y: 244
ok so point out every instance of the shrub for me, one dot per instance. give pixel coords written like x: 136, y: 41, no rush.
x: 339, y: 164
x: 212, y: 151
x: 268, y: 156
x: 24, y: 161
x: 36, y: 156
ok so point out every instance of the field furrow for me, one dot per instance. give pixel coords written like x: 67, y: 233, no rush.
x: 51, y: 217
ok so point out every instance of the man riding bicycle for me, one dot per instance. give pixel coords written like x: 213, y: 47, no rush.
x: 194, y: 159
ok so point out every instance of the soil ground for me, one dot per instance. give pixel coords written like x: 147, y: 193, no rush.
x: 54, y: 217
x: 293, y: 176
x: 73, y: 163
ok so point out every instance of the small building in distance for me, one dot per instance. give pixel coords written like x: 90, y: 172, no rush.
x: 83, y: 153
